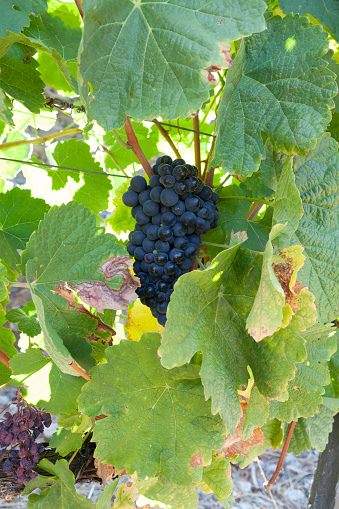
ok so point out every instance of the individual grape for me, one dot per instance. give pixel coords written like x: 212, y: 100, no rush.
x: 169, y: 197
x: 162, y: 319
x: 180, y: 172
x: 148, y: 245
x: 130, y: 199
x: 195, y: 171
x: 163, y: 287
x: 216, y: 215
x: 157, y: 219
x: 170, y: 269
x: 149, y: 290
x: 186, y: 264
x: 168, y: 294
x: 156, y: 193
x: 191, y: 184
x: 152, y: 232
x: 155, y: 169
x: 139, y: 253
x: 138, y: 227
x: 154, y: 312
x: 151, y: 303
x: 162, y: 307
x: 179, y: 208
x: 178, y: 161
x: 156, y: 270
x: 215, y: 198
x: 150, y: 208
x: 206, y: 227
x: 165, y: 233
x: 181, y: 242
x: 180, y: 188
x: 202, y: 212
x: 149, y: 257
x: 138, y: 184
x: 192, y: 203
x: 194, y: 238
x: 167, y: 278
x: 206, y: 193
x: 162, y: 246
x: 137, y: 238
x: 200, y: 186
x: 214, y: 224
x: 164, y: 160
x: 179, y: 230
x: 164, y: 169
x: 160, y: 258
x: 191, y: 250
x: 144, y: 227
x: 144, y: 196
x: 137, y: 266
x: 167, y: 181
x: 168, y: 219
x: 177, y: 272
x: 164, y: 209
x: 199, y: 223
x: 177, y: 256
x: 189, y: 169
x: 154, y: 181
x: 188, y: 219
x: 131, y: 248
x: 141, y: 217
x: 144, y: 266
x: 140, y: 291
x: 160, y: 296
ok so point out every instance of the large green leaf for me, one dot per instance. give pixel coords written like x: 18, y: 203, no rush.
x: 317, y: 179
x: 311, y: 377
x: 60, y: 491
x: 214, y: 323
x: 158, y: 419
x: 15, y: 19
x: 94, y: 193
x: 326, y: 11
x: 68, y: 233
x: 19, y: 217
x: 147, y: 60
x: 278, y: 84
x: 18, y: 69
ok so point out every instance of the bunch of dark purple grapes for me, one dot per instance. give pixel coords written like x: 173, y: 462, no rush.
x: 171, y: 214
x: 18, y: 433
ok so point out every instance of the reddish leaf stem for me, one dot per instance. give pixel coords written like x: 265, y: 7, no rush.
x: 80, y: 9
x: 282, y: 456
x: 5, y: 359
x: 134, y: 144
x: 167, y: 138
x: 79, y: 370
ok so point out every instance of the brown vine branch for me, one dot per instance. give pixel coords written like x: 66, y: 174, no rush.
x: 5, y: 359
x: 168, y: 138
x: 134, y: 144
x: 80, y: 9
x: 282, y: 456
x: 209, y: 177
x: 79, y: 370
x: 41, y: 139
x: 197, y: 143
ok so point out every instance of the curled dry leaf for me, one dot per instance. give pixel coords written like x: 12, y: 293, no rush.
x: 100, y: 296
x: 234, y: 444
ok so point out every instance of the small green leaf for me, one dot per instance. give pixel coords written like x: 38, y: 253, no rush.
x: 64, y: 441
x: 320, y: 426
x: 27, y: 324
x: 151, y: 414
x: 272, y: 71
x: 218, y: 480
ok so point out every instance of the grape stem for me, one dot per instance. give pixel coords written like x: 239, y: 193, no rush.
x: 134, y: 145
x: 167, y: 138
x: 282, y: 457
x: 78, y: 370
x: 197, y: 143
x: 80, y: 9
x: 120, y: 168
x: 201, y: 265
x: 5, y: 359
x: 41, y: 139
x: 246, y: 198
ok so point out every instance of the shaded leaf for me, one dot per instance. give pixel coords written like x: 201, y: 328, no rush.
x: 290, y: 101
x: 326, y: 11
x: 158, y: 419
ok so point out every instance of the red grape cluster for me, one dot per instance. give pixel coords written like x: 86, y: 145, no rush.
x: 171, y: 214
x: 18, y: 433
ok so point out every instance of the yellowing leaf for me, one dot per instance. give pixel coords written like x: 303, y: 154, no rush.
x: 140, y: 320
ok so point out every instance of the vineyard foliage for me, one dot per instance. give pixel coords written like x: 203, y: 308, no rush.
x: 246, y: 91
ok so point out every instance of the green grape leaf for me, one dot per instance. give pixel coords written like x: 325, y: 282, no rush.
x: 158, y: 492
x: 16, y: 19
x: 15, y: 74
x: 215, y: 325
x: 311, y: 377
x: 60, y: 491
x: 233, y: 217
x: 27, y: 324
x: 256, y: 413
x: 320, y: 426
x: 51, y: 74
x: 83, y: 248
x: 218, y: 480
x: 19, y: 217
x: 326, y: 11
x: 6, y: 114
x: 151, y: 415
x: 300, y: 440
x: 104, y: 501
x: 152, y: 75
x: 266, y: 315
x: 257, y: 98
x: 69, y: 12
x: 288, y: 207
x: 46, y: 386
x: 121, y: 219
x: 317, y: 179
x: 94, y: 193
x: 64, y: 441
